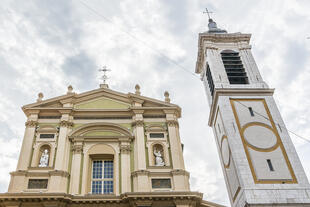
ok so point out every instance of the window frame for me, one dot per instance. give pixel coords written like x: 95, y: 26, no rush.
x: 102, y: 179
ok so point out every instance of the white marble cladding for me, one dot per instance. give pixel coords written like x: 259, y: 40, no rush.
x: 212, y: 56
x: 263, y: 193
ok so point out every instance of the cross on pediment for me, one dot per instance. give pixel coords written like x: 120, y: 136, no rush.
x: 104, y: 77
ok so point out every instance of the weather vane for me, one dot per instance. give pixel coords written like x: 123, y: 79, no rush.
x: 208, y: 12
x: 104, y: 77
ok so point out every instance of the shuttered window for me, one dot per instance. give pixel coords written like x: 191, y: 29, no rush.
x: 234, y: 68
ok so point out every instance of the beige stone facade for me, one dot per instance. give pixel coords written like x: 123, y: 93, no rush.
x: 101, y: 148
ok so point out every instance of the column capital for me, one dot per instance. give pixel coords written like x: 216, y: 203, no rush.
x: 172, y: 123
x: 65, y: 123
x: 77, y: 148
x: 125, y: 148
x: 31, y: 123
x: 137, y: 123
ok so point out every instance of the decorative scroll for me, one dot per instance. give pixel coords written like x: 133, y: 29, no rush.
x: 64, y: 123
x: 37, y: 183
x: 31, y: 123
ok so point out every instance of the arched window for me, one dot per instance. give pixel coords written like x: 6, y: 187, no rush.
x: 234, y: 68
x: 102, y: 179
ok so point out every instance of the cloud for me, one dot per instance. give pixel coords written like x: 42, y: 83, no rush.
x: 47, y: 45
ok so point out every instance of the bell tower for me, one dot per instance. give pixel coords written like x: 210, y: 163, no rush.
x: 259, y: 161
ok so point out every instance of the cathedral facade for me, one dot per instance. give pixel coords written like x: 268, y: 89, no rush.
x: 101, y: 148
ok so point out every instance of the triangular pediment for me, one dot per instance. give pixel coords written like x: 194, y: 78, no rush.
x: 102, y: 103
x: 101, y: 99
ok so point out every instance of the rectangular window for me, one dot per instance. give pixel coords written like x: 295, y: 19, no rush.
x: 161, y: 183
x: 157, y: 135
x: 102, y: 177
x: 47, y: 136
x: 37, y: 183
x: 251, y: 111
x: 270, y: 165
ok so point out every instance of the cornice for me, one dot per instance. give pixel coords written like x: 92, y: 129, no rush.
x: 215, y: 38
x: 140, y: 172
x: 236, y: 92
x: 42, y: 172
x: 180, y: 172
x: 134, y: 198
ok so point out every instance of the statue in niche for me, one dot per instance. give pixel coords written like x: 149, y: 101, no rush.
x: 158, y: 158
x: 44, y: 159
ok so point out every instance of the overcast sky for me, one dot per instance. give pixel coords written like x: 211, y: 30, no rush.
x: 46, y: 45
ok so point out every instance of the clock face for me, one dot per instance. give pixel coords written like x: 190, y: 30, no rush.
x: 225, y: 150
x: 260, y: 137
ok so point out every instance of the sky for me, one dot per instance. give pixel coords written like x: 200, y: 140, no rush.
x: 46, y: 45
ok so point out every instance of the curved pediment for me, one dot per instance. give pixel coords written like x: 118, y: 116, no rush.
x: 101, y: 130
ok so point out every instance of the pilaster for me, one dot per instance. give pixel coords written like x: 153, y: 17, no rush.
x: 125, y: 165
x: 140, y: 179
x: 25, y: 154
x: 175, y: 142
x: 77, y: 150
x: 59, y: 182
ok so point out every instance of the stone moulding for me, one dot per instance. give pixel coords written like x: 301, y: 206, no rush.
x: 126, y: 199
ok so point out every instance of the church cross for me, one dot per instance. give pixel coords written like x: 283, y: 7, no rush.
x: 104, y: 77
x: 208, y: 13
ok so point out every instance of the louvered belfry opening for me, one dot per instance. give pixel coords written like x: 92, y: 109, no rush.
x: 210, y: 80
x: 234, y: 68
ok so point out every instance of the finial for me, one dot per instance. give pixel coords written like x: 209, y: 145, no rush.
x: 137, y: 87
x: 70, y: 89
x: 104, y: 77
x: 167, y: 99
x: 40, y: 97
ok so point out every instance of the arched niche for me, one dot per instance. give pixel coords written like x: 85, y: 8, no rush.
x: 41, y: 151
x: 163, y: 148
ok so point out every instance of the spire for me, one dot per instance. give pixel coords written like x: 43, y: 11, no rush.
x: 212, y: 24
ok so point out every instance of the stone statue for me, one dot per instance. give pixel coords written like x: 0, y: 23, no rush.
x: 44, y: 159
x: 158, y: 158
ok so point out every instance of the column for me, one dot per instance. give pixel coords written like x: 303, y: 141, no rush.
x: 77, y: 150
x: 59, y: 177
x: 140, y: 175
x: 125, y: 165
